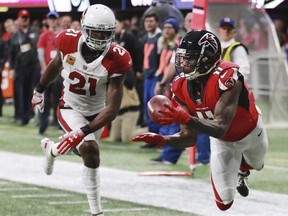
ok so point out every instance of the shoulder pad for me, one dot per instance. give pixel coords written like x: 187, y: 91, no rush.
x: 177, y: 86
x: 117, y: 59
x: 67, y: 41
x: 227, y: 74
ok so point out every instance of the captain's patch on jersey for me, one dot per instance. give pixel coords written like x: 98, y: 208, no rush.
x: 70, y: 60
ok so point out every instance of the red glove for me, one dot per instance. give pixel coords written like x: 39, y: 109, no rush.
x: 174, y: 114
x: 70, y: 140
x: 151, y: 138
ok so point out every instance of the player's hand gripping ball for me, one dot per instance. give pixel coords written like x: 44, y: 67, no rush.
x: 155, y: 104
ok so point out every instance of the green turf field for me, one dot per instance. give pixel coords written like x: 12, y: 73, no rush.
x: 26, y: 140
x: 29, y: 200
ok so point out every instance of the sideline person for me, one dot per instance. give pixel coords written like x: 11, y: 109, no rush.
x: 233, y: 50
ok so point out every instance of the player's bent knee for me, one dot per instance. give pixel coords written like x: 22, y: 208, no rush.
x: 89, y: 147
x: 90, y: 154
x: 222, y: 206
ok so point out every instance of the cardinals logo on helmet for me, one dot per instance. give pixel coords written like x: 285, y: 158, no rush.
x: 209, y: 40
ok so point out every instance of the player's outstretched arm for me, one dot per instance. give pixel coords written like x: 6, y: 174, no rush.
x: 185, y: 138
x: 154, y: 138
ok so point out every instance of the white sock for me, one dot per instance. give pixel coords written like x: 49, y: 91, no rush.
x: 91, y: 179
x: 54, y: 150
x: 242, y: 173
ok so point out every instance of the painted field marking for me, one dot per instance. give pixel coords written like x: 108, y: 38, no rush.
x: 71, y: 202
x: 116, y: 185
x: 68, y: 202
x: 278, y: 160
x: 39, y: 196
x: 123, y: 210
x: 276, y: 167
x: 20, y: 189
x: 5, y: 183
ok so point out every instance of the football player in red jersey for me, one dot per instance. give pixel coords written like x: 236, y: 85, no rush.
x: 93, y: 70
x: 210, y: 96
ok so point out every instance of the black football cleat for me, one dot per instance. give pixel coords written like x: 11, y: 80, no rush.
x: 242, y: 184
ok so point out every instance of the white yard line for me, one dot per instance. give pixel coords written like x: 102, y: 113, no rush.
x: 183, y: 194
x: 19, y: 189
x: 25, y: 196
x: 68, y: 202
x: 276, y: 168
x: 125, y: 209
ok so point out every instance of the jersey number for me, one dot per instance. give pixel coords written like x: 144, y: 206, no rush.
x: 118, y: 49
x: 205, y: 114
x: 72, y: 32
x: 78, y: 88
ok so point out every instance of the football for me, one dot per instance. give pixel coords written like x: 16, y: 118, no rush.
x: 155, y: 104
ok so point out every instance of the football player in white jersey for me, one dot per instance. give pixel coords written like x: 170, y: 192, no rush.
x: 93, y: 68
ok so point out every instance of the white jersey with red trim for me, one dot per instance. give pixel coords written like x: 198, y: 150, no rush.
x: 85, y: 84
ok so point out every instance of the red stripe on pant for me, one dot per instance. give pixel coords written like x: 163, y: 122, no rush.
x: 219, y: 201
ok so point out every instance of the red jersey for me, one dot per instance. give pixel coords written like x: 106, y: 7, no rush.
x: 221, y: 79
x: 47, y: 41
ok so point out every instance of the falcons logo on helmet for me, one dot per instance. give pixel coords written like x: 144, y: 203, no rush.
x: 209, y: 40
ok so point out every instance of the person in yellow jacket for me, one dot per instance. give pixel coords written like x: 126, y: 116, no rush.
x: 233, y: 50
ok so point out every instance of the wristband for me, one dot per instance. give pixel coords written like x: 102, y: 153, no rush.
x: 40, y: 88
x: 86, y: 130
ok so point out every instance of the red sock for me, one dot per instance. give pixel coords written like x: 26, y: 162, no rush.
x: 244, y: 167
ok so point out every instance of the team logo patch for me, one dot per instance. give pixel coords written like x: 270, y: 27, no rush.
x: 230, y: 82
x: 209, y: 40
x: 70, y: 60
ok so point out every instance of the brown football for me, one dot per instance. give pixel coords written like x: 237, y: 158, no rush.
x: 155, y: 104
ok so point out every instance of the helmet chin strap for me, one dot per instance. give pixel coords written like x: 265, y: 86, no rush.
x: 90, y: 46
x: 195, y: 74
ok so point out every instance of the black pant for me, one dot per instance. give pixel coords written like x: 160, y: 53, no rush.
x: 52, y: 95
x: 24, y: 83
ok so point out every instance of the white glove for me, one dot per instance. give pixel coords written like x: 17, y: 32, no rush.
x: 38, y: 101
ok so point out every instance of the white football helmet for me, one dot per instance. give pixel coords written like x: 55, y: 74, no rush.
x: 98, y: 26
